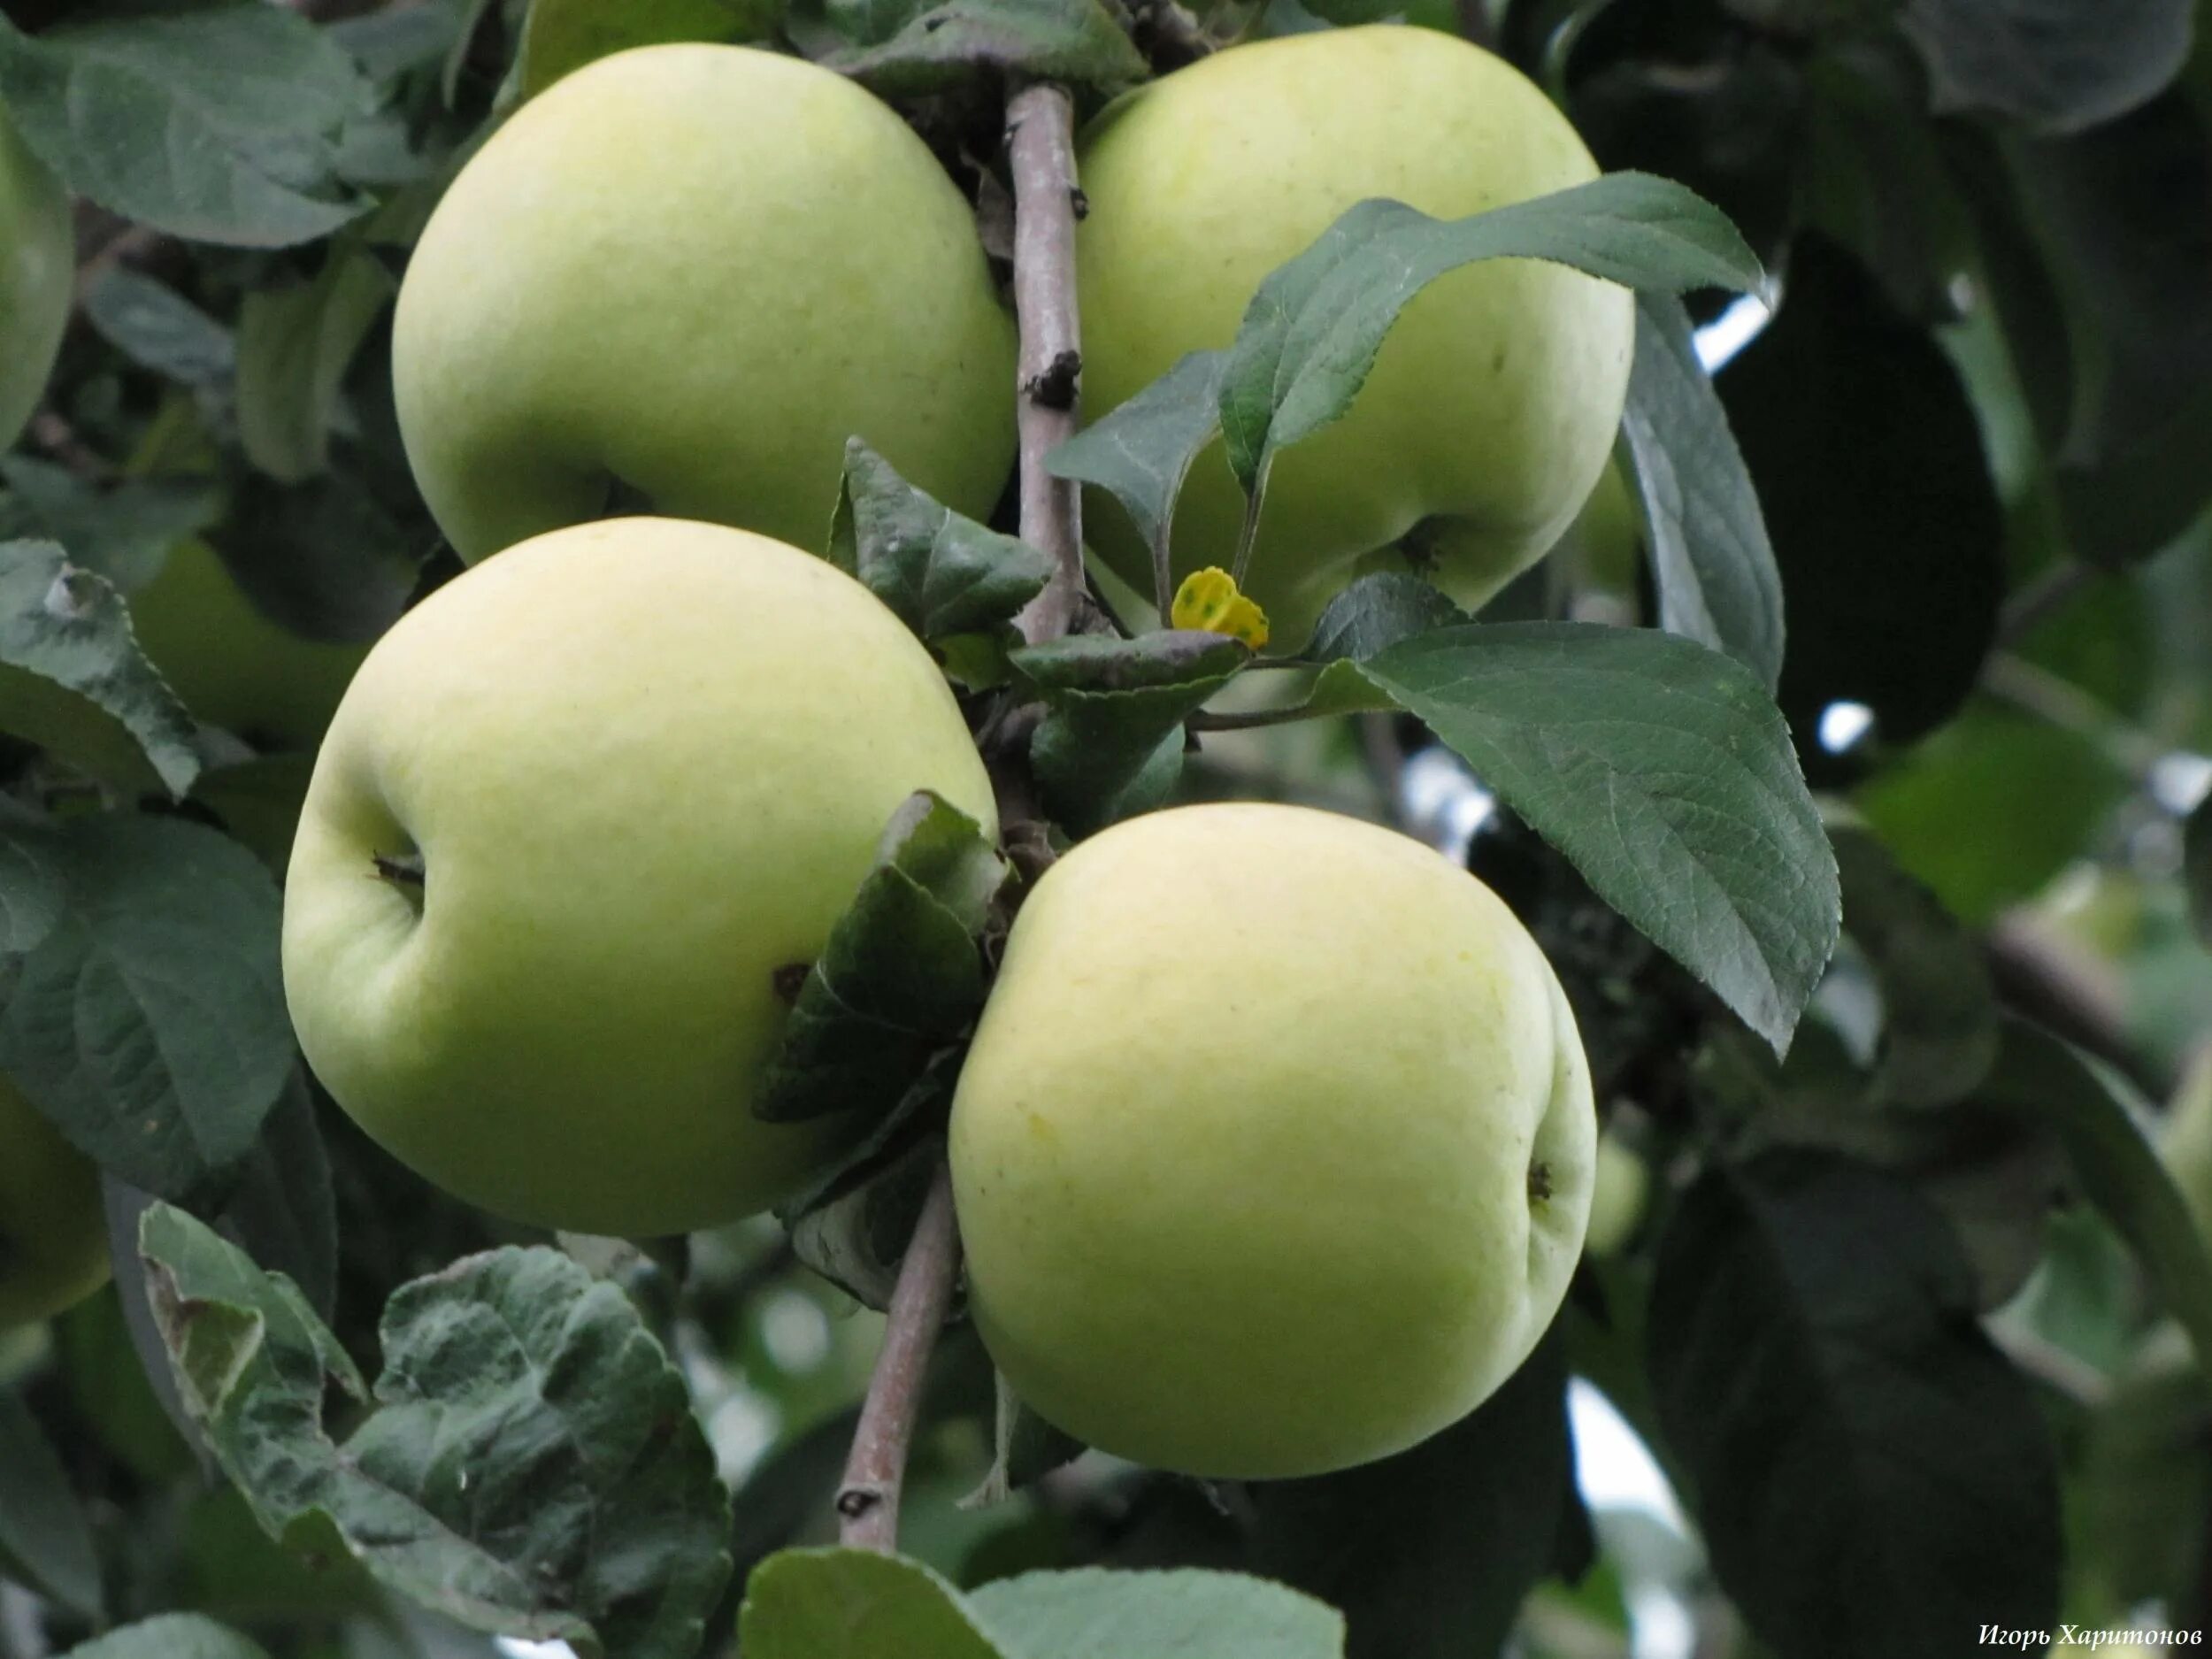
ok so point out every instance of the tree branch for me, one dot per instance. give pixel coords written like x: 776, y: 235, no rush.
x: 868, y: 1498
x: 1041, y: 146
x: 1040, y: 152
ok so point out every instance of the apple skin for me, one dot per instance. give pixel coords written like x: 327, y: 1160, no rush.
x: 38, y: 265
x: 645, y: 763
x: 1242, y: 1154
x: 1620, y: 1192
x: 232, y: 665
x: 1492, y: 405
x: 53, y: 1232
x: 697, y: 270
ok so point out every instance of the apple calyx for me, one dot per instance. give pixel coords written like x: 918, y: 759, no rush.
x: 407, y: 871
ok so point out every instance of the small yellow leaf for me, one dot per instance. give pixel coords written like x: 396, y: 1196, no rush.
x: 1208, y: 600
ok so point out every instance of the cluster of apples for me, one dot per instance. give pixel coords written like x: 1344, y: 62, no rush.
x: 1273, y: 1151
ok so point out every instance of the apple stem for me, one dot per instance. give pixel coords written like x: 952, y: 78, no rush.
x: 868, y: 1498
x: 1041, y: 154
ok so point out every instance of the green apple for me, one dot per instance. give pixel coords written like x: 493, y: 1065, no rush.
x: 53, y: 1232
x: 578, y: 811
x: 1620, y: 1189
x: 38, y: 265
x: 233, y: 666
x: 1492, y: 405
x: 1274, y: 1149
x: 691, y: 272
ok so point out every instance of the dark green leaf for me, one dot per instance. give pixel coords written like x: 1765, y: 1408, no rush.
x: 215, y: 123
x: 1096, y: 1614
x: 45, y: 1541
x: 1663, y: 773
x: 326, y: 558
x: 1075, y: 41
x: 1430, y: 1554
x: 854, y: 1604
x: 2196, y: 866
x: 1938, y: 1013
x: 2144, y: 1484
x: 1142, y: 451
x: 943, y: 574
x: 1311, y: 333
x: 31, y: 889
x: 1869, y: 463
x: 531, y: 1467
x: 1855, y: 1442
x: 1710, y: 558
x: 149, y: 1022
x: 122, y: 529
x: 562, y: 35
x: 2133, y: 458
x: 72, y: 681
x: 1024, y: 1446
x: 281, y: 1210
x: 125, y: 1208
x: 1111, y: 740
x: 2046, y: 1082
x: 900, y: 976
x: 171, y: 1636
x: 157, y: 328
x: 295, y: 345
x: 2062, y: 67
x: 854, y: 1228
x: 1376, y: 612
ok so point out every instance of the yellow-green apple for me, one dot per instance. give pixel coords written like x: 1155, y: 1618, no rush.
x: 580, y: 812
x: 1273, y: 1152
x: 1493, y: 402
x: 37, y: 266
x: 232, y: 664
x: 53, y: 1235
x: 1620, y: 1187
x: 691, y: 273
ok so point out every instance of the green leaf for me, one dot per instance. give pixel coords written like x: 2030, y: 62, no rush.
x: 1377, y: 612
x: 1711, y: 558
x: 157, y: 328
x: 1073, y: 40
x: 2196, y: 866
x: 1111, y: 740
x: 563, y: 35
x: 30, y: 889
x: 45, y: 1541
x: 900, y: 976
x: 216, y: 124
x: 853, y: 1226
x: 1855, y: 1442
x: 149, y: 1023
x: 72, y: 681
x: 1142, y: 451
x: 1663, y: 772
x: 282, y: 1208
x: 2060, y: 67
x: 121, y: 528
x: 1311, y: 333
x: 531, y: 1467
x: 171, y: 1636
x: 1024, y: 1446
x: 944, y: 575
x: 295, y: 345
x: 2046, y: 1081
x: 855, y: 1604
x: 1938, y: 1013
x: 1430, y: 1554
x: 1096, y: 1614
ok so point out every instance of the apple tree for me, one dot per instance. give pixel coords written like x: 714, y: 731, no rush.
x: 1101, y: 829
